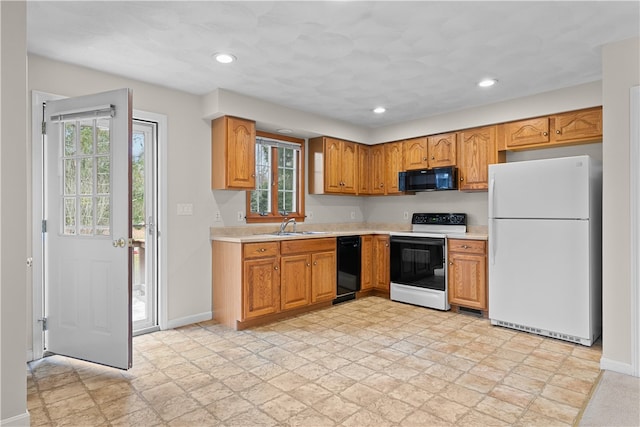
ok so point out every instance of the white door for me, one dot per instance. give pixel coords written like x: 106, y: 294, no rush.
x: 87, y: 212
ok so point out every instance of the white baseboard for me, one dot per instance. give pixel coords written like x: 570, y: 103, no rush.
x: 183, y: 321
x: 615, y: 366
x: 22, y: 420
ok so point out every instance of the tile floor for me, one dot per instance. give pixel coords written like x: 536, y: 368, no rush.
x: 369, y: 362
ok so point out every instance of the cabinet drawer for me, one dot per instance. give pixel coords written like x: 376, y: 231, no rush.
x: 467, y: 246
x: 259, y: 250
x: 307, y: 245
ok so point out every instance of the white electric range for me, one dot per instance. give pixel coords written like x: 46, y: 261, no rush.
x: 418, y: 259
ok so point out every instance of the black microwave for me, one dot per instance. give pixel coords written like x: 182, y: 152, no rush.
x: 436, y: 179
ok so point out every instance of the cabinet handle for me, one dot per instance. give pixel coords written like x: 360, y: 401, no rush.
x: 381, y: 185
x: 433, y: 158
x: 558, y: 132
x: 545, y: 133
x: 461, y: 178
x: 315, y: 263
x: 308, y: 265
x: 450, y: 262
x: 253, y: 175
x: 424, y: 159
x: 275, y: 268
x: 465, y: 247
x: 261, y: 250
x: 386, y: 244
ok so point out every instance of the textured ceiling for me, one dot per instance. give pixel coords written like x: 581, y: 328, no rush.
x: 340, y: 59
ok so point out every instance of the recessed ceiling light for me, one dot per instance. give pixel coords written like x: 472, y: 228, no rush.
x: 379, y: 110
x: 284, y: 131
x: 224, y: 58
x: 487, y: 82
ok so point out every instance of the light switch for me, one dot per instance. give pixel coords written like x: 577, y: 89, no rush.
x: 185, y: 209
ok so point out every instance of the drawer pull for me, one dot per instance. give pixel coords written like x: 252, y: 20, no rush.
x: 275, y: 268
x: 558, y: 132
x: 261, y: 250
x: 465, y: 247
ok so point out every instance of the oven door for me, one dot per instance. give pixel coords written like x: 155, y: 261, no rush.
x: 418, y: 262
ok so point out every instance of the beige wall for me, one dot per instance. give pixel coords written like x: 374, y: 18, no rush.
x: 621, y: 71
x: 13, y: 205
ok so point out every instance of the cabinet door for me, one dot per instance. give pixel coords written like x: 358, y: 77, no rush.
x: 477, y: 151
x: 332, y: 165
x: 527, y: 132
x: 578, y: 126
x: 233, y: 154
x: 381, y: 262
x: 415, y: 154
x: 261, y: 287
x: 366, y: 263
x: 294, y: 281
x: 349, y: 165
x: 442, y: 150
x: 377, y: 169
x: 323, y: 276
x: 467, y: 280
x: 393, y: 165
x: 364, y: 169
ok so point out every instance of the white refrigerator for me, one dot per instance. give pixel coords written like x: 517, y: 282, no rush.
x: 545, y: 251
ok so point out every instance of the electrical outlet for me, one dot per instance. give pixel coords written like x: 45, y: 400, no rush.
x: 240, y: 216
x: 218, y: 216
x: 406, y: 215
x: 310, y: 214
x: 353, y: 215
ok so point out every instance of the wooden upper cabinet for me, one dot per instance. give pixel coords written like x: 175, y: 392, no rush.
x: 442, y: 150
x: 393, y: 165
x: 476, y: 151
x: 364, y: 169
x: 415, y: 153
x: 233, y: 154
x: 578, y: 126
x: 527, y: 132
x: 573, y: 127
x: 333, y: 166
x: 377, y: 173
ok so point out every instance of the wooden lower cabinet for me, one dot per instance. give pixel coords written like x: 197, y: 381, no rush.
x: 366, y: 263
x: 295, y: 290
x: 468, y: 273
x: 254, y: 283
x: 381, y: 263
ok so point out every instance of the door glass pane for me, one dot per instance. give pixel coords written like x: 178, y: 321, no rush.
x: 86, y: 215
x: 86, y: 178
x: 70, y: 177
x: 103, y: 136
x: 86, y: 136
x: 70, y: 136
x: 103, y: 178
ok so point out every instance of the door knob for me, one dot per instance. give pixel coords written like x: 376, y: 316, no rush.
x: 120, y: 243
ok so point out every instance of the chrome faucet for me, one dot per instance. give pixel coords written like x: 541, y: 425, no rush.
x: 286, y: 222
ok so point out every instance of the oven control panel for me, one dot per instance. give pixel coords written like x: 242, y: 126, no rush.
x: 439, y: 218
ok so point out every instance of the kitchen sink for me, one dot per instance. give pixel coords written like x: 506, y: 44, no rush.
x: 296, y: 233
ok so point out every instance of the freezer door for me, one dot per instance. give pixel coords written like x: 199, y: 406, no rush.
x: 550, y: 188
x: 539, y: 275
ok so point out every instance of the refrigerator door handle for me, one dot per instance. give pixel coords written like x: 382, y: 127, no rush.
x: 492, y: 241
x: 492, y: 189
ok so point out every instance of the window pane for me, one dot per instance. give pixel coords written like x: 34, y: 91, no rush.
x: 69, y: 177
x: 261, y: 196
x: 69, y: 139
x: 86, y: 137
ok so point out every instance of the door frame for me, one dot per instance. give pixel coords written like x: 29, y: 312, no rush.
x: 634, y: 95
x: 37, y: 208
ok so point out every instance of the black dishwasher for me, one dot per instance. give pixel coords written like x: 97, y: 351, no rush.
x: 348, y: 268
